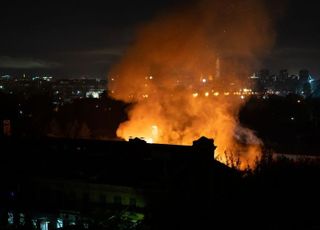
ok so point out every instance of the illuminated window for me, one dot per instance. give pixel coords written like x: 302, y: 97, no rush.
x: 10, y: 218
x: 44, y: 225
x: 21, y: 219
x: 59, y: 223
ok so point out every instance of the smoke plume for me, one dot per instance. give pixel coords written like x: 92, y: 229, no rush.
x: 183, y: 68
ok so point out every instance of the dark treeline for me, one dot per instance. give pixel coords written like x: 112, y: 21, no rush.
x: 36, y: 116
x: 285, y: 124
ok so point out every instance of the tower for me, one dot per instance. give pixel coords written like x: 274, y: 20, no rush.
x: 217, y: 68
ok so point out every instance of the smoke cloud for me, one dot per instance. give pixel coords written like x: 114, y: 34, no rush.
x: 183, y: 66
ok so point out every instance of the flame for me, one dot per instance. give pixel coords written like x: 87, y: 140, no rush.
x: 214, y: 41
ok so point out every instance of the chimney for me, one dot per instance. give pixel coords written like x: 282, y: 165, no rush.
x: 204, y: 148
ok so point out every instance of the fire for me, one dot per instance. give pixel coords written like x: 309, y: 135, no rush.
x: 160, y: 75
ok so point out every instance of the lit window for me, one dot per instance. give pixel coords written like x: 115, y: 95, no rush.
x: 59, y: 223
x: 10, y: 218
x: 21, y: 219
x: 44, y: 225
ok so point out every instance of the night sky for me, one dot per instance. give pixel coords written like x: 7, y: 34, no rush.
x: 83, y: 40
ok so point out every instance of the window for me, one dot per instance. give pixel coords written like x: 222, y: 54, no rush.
x: 59, y: 223
x: 10, y: 218
x: 44, y: 225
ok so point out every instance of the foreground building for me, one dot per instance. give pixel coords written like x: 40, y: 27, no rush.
x: 58, y: 183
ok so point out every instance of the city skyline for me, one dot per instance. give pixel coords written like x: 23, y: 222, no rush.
x: 79, y: 40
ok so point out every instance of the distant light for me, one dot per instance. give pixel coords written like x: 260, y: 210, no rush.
x: 149, y: 140
x: 112, y: 79
x: 206, y: 94
x: 150, y: 77
x: 242, y: 97
x: 292, y: 118
x: 204, y: 80
x: 226, y: 93
x: 216, y: 94
x: 298, y: 101
x: 97, y: 106
x: 93, y: 94
x: 1, y: 87
x: 195, y: 95
x: 21, y: 112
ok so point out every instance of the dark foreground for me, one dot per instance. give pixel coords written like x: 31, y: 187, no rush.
x: 84, y: 184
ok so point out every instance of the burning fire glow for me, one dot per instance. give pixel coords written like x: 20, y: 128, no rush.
x: 180, y: 62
